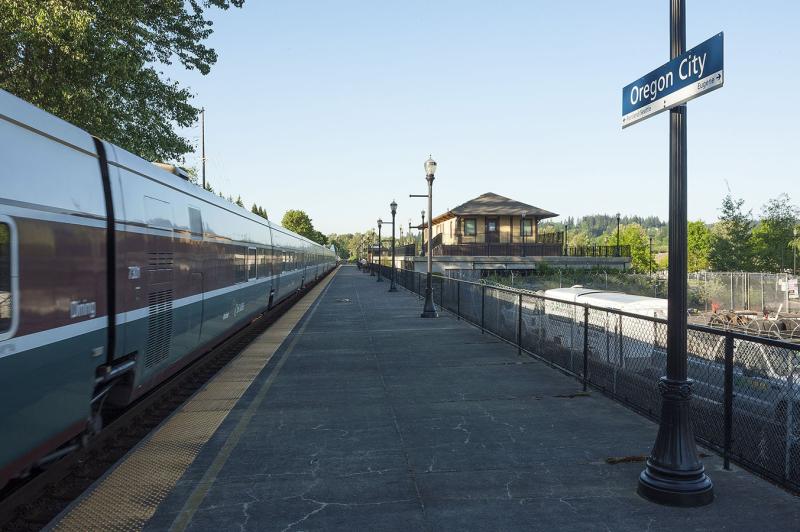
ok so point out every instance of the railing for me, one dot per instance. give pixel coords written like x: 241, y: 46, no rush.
x: 495, y: 250
x: 746, y: 396
x: 537, y: 249
x: 598, y: 251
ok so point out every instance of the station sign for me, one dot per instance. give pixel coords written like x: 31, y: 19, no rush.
x: 693, y: 73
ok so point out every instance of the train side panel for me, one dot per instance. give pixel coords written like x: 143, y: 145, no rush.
x: 52, y: 282
x: 188, y: 271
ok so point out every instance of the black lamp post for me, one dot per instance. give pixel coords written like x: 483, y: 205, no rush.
x: 618, y: 252
x: 674, y: 474
x: 522, y: 230
x: 380, y: 251
x: 429, y: 311
x: 372, y: 258
x: 794, y: 251
x: 650, y: 262
x: 421, y: 234
x: 393, y: 206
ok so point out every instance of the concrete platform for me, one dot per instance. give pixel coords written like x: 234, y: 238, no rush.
x: 370, y: 418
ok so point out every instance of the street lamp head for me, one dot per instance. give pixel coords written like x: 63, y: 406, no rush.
x: 524, y: 214
x: 422, y: 212
x: 393, y: 206
x: 380, y: 222
x: 430, y: 166
x: 617, y: 216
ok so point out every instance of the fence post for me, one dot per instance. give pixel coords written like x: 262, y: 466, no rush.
x: 458, y: 299
x: 519, y: 326
x: 483, y: 298
x: 728, y: 404
x: 585, y: 345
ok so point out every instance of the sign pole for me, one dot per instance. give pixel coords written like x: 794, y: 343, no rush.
x: 674, y: 474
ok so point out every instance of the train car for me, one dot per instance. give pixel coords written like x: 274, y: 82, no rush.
x: 115, y: 274
x: 766, y: 378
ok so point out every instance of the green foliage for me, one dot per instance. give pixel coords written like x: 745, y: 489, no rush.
x: 259, y: 211
x: 600, y: 228
x: 239, y: 201
x: 95, y: 63
x: 635, y: 236
x: 772, y: 237
x: 352, y: 245
x: 299, y: 222
x: 699, y: 246
x: 730, y: 245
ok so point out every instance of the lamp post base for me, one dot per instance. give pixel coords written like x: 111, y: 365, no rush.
x: 674, y: 475
x: 429, y: 310
x: 393, y: 288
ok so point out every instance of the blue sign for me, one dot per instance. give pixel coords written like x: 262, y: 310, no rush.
x: 691, y: 74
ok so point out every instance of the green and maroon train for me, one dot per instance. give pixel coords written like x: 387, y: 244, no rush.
x: 114, y: 274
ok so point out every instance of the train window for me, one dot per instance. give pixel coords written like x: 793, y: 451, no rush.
x: 251, y: 263
x: 263, y: 263
x: 239, y: 270
x: 195, y: 222
x: 6, y: 293
x: 158, y: 213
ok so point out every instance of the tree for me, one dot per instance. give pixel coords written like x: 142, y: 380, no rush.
x: 239, y: 201
x: 730, y: 243
x: 95, y: 63
x: 698, y: 246
x: 635, y: 236
x: 299, y: 222
x: 259, y: 211
x: 772, y: 237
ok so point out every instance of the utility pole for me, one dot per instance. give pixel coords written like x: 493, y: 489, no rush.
x: 203, y: 145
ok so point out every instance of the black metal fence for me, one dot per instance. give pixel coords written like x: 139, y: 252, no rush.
x: 495, y: 249
x: 746, y: 402
x: 598, y: 251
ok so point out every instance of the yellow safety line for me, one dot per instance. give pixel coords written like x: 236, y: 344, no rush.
x: 129, y: 496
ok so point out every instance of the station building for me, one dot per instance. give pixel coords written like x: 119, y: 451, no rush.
x: 494, y: 232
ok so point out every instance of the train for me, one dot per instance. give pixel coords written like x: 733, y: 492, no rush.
x: 766, y: 377
x: 115, y: 273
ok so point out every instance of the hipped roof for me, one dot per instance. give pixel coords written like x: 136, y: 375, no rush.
x: 491, y: 204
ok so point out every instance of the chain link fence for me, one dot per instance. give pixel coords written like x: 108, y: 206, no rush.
x: 746, y: 394
x: 769, y: 293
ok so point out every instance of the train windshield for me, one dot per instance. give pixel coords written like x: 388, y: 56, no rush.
x: 5, y: 278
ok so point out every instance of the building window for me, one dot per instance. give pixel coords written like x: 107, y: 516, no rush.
x: 6, y: 294
x: 527, y: 227
x: 469, y: 227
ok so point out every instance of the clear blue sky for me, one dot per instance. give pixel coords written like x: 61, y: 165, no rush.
x: 332, y: 107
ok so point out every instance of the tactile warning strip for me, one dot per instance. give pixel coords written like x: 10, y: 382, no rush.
x: 129, y: 496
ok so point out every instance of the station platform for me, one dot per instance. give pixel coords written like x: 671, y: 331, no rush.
x: 352, y: 413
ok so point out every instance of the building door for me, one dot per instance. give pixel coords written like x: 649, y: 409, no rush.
x: 492, y: 231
